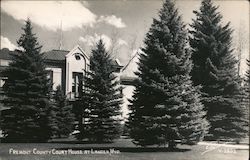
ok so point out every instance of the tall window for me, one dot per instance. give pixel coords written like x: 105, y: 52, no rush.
x: 50, y: 77
x: 77, y: 83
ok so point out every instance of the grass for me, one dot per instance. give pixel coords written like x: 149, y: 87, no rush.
x: 128, y: 151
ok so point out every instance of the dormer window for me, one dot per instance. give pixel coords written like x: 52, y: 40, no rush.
x: 78, y: 56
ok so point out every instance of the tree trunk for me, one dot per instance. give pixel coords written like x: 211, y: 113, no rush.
x: 171, y: 145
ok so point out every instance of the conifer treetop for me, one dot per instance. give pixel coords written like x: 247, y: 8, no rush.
x: 28, y: 41
x: 166, y: 43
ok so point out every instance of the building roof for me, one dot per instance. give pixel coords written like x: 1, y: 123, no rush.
x: 125, y: 80
x: 5, y: 54
x: 117, y: 63
x: 55, y: 55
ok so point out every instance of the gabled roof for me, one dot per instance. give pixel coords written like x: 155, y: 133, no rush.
x: 77, y: 48
x: 56, y: 55
x: 117, y: 63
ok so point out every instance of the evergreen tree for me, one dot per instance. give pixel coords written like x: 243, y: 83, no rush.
x: 165, y: 105
x: 27, y: 93
x: 215, y: 69
x: 248, y: 77
x: 102, y: 97
x: 64, y: 117
x: 246, y: 97
x: 248, y: 89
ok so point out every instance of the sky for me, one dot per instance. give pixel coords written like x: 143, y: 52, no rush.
x: 122, y: 24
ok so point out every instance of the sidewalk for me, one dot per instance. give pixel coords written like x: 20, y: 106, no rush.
x: 214, y: 143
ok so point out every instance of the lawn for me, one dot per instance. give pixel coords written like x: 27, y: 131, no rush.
x: 123, y: 150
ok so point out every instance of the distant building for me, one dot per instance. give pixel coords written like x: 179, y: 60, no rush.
x: 67, y: 68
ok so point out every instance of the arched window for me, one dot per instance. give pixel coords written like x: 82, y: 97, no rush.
x: 78, y: 56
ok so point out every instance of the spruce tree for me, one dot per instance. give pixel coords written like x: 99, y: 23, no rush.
x: 165, y: 105
x: 215, y: 69
x: 246, y: 97
x: 102, y: 97
x: 64, y: 117
x: 27, y: 93
x: 247, y: 84
x: 247, y: 81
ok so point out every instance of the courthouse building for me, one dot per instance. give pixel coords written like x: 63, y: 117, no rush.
x: 66, y: 68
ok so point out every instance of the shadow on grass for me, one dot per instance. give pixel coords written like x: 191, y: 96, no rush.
x: 130, y: 149
x: 78, y: 142
x: 242, y: 149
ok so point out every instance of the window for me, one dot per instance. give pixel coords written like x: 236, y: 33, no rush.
x: 78, y: 56
x: 77, y: 83
x: 50, y: 77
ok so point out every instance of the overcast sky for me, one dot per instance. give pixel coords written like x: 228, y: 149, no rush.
x: 122, y: 21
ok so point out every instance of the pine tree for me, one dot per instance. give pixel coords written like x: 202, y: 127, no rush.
x: 64, y: 117
x: 27, y: 93
x: 165, y: 105
x: 102, y: 97
x: 215, y: 69
x: 246, y: 96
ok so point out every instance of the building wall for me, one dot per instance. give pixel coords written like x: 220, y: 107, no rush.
x: 4, y: 62
x: 62, y: 72
x: 74, y: 65
x: 57, y: 76
x: 128, y: 92
x: 59, y: 68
